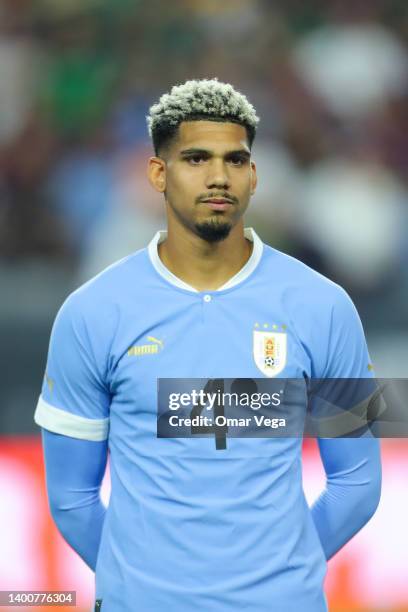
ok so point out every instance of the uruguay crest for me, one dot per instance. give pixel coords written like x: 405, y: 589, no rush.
x: 270, y: 350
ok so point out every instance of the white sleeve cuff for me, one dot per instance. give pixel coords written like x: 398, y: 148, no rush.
x: 68, y: 424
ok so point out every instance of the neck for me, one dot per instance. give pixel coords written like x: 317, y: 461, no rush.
x: 204, y: 265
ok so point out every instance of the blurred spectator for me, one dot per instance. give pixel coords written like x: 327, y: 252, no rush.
x: 390, y: 129
x: 19, y: 71
x: 274, y: 208
x: 78, y: 86
x: 355, y: 212
x: 135, y: 215
x: 28, y: 226
x: 80, y: 187
x: 228, y: 20
x: 273, y: 205
x: 353, y: 64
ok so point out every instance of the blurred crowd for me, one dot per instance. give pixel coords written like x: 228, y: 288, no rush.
x: 329, y: 80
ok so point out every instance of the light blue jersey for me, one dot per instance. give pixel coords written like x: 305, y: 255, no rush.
x: 189, y: 526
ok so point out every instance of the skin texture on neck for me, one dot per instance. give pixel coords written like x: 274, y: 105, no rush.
x: 207, y: 178
x: 204, y: 266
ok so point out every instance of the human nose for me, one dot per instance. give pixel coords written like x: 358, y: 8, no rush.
x: 217, y: 176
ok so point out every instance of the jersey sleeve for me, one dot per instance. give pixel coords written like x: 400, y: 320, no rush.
x: 75, y: 398
x: 347, y: 354
x: 345, y: 397
x: 73, y: 489
x: 350, y: 454
x: 352, y: 492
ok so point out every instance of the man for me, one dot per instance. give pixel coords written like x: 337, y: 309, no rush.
x: 194, y: 524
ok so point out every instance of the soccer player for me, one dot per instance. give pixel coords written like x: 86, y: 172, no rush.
x: 194, y: 525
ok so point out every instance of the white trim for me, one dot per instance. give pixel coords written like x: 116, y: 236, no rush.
x: 240, y: 276
x: 159, y: 237
x: 68, y: 424
x: 252, y: 262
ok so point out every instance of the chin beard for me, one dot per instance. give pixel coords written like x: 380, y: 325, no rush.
x: 213, y: 231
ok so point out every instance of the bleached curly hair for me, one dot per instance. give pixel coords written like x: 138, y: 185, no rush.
x: 205, y: 99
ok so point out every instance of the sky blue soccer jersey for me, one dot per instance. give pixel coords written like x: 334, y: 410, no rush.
x: 191, y: 526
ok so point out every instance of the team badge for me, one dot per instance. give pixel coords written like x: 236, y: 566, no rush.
x: 270, y: 351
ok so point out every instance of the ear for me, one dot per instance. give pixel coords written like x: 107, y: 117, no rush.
x: 254, y: 178
x: 156, y: 173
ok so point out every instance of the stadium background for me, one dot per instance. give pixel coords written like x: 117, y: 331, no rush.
x: 329, y: 80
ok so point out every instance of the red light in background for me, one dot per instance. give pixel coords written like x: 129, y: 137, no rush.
x: 369, y: 573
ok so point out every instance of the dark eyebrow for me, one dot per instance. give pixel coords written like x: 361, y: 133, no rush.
x: 187, y: 152
x: 243, y: 153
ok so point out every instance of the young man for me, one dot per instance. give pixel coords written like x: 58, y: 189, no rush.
x: 193, y: 524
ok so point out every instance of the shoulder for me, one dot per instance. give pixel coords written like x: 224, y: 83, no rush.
x: 300, y: 283
x: 113, y: 281
x: 97, y: 302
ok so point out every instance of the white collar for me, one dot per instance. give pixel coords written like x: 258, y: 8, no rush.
x: 241, y: 275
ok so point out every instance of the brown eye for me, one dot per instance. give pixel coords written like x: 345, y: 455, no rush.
x: 237, y: 160
x: 195, y: 160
